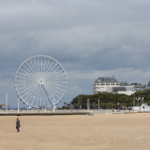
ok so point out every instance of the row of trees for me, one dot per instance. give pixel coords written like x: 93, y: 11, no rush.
x: 108, y: 100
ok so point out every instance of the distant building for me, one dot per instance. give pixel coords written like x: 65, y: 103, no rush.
x: 139, y: 87
x: 111, y: 85
x: 145, y: 107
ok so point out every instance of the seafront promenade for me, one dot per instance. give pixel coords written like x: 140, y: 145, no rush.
x: 51, y: 112
x: 63, y: 112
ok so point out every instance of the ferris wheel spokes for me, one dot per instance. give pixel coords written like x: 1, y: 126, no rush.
x: 32, y: 66
x: 31, y: 103
x: 31, y: 90
x: 49, y: 66
x: 44, y: 65
x: 48, y: 96
x: 37, y: 95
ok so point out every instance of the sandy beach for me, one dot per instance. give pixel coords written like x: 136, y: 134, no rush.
x: 98, y: 132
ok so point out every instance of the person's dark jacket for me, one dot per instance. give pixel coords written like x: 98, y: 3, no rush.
x: 18, y: 124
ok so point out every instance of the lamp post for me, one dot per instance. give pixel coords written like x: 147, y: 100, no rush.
x: 93, y: 105
x: 118, y: 106
x: 138, y: 102
x: 142, y: 98
x: 6, y: 103
x: 124, y: 106
x: 18, y: 105
x: 134, y: 101
x: 88, y: 104
x: 98, y: 104
x: 138, y: 99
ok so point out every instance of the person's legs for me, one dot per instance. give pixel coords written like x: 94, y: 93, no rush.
x: 17, y: 129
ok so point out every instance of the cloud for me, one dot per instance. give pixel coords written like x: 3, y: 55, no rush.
x: 121, y: 74
x: 89, y: 38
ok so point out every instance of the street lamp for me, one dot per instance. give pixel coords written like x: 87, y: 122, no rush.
x: 134, y: 102
x: 88, y: 106
x: 138, y: 99
x: 118, y: 106
x: 18, y: 105
x: 93, y: 105
x: 124, y: 106
x: 98, y: 104
x: 142, y: 98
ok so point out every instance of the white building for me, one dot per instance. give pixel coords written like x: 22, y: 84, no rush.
x: 139, y: 87
x: 111, y: 85
x: 142, y: 108
x: 145, y: 107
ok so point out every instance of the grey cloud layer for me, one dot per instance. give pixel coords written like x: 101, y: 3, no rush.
x: 99, y: 38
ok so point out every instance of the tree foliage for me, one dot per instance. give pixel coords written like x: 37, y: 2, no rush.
x: 109, y: 100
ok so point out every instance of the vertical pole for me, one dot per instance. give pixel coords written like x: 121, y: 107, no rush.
x: 81, y: 102
x: 141, y: 101
x: 53, y: 109
x: 93, y: 105
x: 78, y: 102
x: 6, y: 102
x: 124, y: 106
x: 18, y: 105
x: 134, y: 100
x: 139, y: 105
x: 87, y: 104
x: 98, y: 104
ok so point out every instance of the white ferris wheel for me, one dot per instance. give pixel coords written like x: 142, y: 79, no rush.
x: 41, y: 81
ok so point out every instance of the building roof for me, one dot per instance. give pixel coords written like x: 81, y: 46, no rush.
x: 124, y: 83
x: 112, y: 80
x: 106, y: 79
x: 139, y: 86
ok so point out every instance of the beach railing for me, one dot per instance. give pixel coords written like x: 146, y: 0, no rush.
x: 93, y: 111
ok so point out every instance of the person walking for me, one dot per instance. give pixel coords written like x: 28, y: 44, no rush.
x: 18, y: 124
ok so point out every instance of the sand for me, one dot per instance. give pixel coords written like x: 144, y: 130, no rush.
x: 99, y: 132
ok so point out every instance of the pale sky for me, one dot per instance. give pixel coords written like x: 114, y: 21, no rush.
x: 90, y: 38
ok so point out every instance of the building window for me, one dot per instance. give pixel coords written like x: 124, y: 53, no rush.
x: 102, y: 84
x: 97, y: 84
x: 109, y: 89
x: 129, y: 88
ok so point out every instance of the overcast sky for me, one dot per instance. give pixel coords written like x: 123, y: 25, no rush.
x: 90, y: 38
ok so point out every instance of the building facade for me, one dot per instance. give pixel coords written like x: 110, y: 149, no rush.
x: 111, y: 85
x: 139, y: 87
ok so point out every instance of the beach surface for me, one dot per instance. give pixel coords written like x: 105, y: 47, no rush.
x: 98, y: 132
